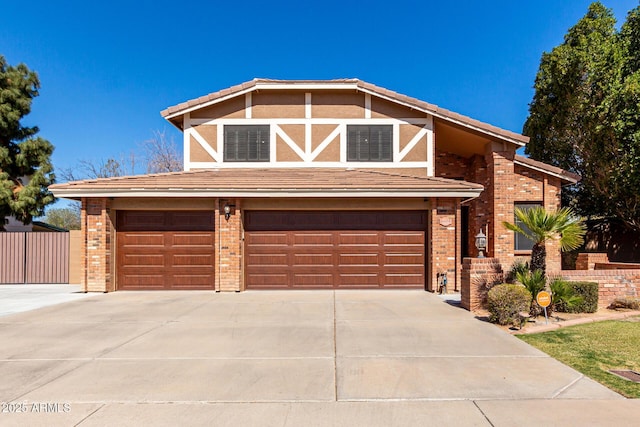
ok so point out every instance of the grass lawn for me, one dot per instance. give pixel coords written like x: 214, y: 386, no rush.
x: 594, y: 348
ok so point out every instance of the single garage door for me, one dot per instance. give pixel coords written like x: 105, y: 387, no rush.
x: 165, y: 250
x: 328, y: 250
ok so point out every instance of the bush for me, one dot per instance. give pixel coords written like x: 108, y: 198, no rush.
x: 534, y: 282
x: 563, y: 295
x: 505, y: 301
x: 519, y: 266
x: 589, y: 293
x: 625, y: 303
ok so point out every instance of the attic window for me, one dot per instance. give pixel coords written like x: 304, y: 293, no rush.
x: 246, y: 143
x: 369, y: 143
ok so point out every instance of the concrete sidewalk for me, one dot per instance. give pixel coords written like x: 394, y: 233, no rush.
x: 319, y: 358
x: 19, y: 298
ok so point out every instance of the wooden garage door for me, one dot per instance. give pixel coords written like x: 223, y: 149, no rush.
x: 165, y: 250
x: 327, y: 250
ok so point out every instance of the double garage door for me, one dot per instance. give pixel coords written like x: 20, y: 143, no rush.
x: 282, y: 250
x: 328, y: 250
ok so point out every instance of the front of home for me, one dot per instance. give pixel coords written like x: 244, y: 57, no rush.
x: 313, y: 184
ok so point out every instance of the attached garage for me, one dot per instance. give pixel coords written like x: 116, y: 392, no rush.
x: 160, y: 250
x: 331, y: 250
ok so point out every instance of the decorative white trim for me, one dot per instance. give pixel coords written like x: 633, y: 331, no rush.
x: 396, y: 142
x: 430, y: 148
x: 414, y: 141
x: 186, y: 141
x: 204, y: 144
x: 308, y: 164
x: 339, y: 130
x: 367, y: 106
x: 313, y: 121
x: 290, y: 142
x: 307, y: 105
x: 247, y: 105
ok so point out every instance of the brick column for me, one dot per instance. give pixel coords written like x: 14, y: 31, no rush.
x: 500, y: 169
x: 96, y: 246
x: 229, y: 276
x: 444, y: 246
x: 478, y: 275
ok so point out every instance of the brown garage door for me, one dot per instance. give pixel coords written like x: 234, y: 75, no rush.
x: 165, y: 250
x: 326, y: 250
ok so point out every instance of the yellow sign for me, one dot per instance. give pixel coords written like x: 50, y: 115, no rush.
x: 543, y: 299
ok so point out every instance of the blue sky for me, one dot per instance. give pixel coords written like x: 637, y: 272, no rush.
x: 108, y: 68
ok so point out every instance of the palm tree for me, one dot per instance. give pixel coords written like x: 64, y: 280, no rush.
x: 541, y: 225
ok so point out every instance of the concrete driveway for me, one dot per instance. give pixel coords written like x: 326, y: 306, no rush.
x: 370, y: 358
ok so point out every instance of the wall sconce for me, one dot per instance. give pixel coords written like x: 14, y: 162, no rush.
x: 481, y: 243
x: 228, y: 209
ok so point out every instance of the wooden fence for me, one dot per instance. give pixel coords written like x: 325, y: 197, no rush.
x: 34, y: 257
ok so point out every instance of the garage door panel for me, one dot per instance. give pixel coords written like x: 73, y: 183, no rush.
x: 334, y: 249
x: 358, y: 239
x: 172, y: 250
x: 267, y: 260
x: 142, y: 261
x: 312, y: 239
x: 313, y: 260
x: 313, y: 281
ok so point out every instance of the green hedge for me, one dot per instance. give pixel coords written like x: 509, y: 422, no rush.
x: 589, y: 293
x: 505, y: 301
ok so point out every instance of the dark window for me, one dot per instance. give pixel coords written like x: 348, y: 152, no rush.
x: 521, y: 242
x: 246, y: 143
x: 369, y: 143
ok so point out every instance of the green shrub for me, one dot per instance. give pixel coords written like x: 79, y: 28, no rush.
x: 563, y: 295
x: 534, y: 282
x: 505, y: 301
x: 625, y: 303
x: 589, y: 293
x: 519, y: 266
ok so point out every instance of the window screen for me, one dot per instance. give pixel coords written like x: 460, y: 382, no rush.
x: 369, y: 143
x: 246, y: 143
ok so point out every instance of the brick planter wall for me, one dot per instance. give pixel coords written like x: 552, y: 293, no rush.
x: 477, y: 276
x: 612, y: 283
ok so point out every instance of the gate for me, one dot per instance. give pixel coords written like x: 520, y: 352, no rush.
x: 34, y: 257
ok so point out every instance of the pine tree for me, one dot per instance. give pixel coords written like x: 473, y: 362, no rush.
x: 25, y: 167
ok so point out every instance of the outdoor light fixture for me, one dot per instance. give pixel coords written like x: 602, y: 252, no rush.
x: 227, y: 210
x: 481, y: 243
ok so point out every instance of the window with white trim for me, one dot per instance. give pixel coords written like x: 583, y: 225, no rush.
x: 521, y: 243
x: 246, y: 143
x: 369, y: 143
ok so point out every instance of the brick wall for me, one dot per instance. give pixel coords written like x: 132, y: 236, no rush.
x: 478, y: 275
x: 229, y: 275
x: 97, y: 227
x: 612, y: 283
x: 587, y: 261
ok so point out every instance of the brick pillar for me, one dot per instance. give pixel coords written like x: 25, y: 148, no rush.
x: 499, y: 158
x: 443, y: 235
x: 478, y: 275
x: 96, y: 246
x: 229, y: 276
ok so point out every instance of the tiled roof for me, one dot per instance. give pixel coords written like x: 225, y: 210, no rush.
x: 319, y: 182
x: 553, y: 170
x: 359, y: 84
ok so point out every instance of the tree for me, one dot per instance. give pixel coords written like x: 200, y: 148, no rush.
x: 68, y: 218
x: 584, y: 114
x: 159, y: 153
x: 25, y: 166
x: 541, y: 226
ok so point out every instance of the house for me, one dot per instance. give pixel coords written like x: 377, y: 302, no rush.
x: 311, y: 184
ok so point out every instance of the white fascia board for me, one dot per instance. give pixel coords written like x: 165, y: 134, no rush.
x: 395, y: 193
x: 546, y: 172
